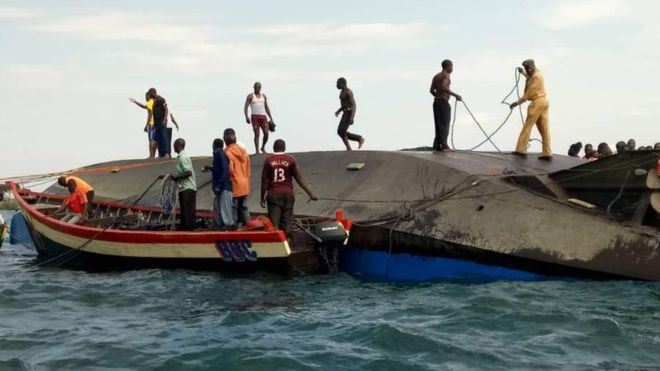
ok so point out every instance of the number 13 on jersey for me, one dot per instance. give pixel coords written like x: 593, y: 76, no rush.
x: 278, y: 175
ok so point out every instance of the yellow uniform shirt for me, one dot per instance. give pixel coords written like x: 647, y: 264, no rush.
x: 534, y: 88
x: 150, y: 108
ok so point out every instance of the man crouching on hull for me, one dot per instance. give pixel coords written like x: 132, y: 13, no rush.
x: 537, y: 112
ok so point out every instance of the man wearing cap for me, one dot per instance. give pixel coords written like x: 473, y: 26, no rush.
x: 537, y: 112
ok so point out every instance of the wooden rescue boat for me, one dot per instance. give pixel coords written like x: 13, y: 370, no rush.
x: 118, y: 236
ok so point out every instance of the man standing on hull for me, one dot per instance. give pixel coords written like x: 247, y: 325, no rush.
x: 347, y: 109
x: 537, y: 112
x: 258, y: 104
x: 160, y: 112
x: 441, y: 108
x: 149, y: 126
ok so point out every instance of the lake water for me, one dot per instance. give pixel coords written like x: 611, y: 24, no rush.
x: 52, y: 318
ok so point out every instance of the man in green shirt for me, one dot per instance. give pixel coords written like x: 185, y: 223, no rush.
x: 184, y: 175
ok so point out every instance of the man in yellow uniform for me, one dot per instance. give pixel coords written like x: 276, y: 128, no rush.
x: 537, y: 112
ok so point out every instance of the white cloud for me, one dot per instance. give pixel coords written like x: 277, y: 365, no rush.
x: 8, y: 12
x: 571, y: 14
x: 339, y: 33
x: 194, y: 47
x: 126, y: 26
x: 291, y: 39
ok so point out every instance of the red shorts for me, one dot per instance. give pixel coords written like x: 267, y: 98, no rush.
x: 259, y: 121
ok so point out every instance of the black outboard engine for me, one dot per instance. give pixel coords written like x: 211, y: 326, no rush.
x: 331, y: 235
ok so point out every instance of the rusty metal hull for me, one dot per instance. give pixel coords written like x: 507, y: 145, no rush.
x: 475, y: 206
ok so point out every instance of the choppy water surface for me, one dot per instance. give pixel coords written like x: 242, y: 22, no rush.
x: 156, y: 319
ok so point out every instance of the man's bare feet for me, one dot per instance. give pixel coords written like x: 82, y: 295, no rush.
x: 447, y: 150
x: 361, y: 142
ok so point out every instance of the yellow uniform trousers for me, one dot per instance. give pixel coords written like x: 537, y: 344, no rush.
x: 537, y: 113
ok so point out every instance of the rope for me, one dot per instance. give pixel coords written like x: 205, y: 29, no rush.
x: 618, y: 197
x: 506, y: 119
x: 169, y: 196
x: 408, y: 214
x: 457, y: 190
x: 16, y: 239
x: 488, y: 137
x: 79, y: 171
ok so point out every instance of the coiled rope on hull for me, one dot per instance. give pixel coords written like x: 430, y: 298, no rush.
x: 169, y: 197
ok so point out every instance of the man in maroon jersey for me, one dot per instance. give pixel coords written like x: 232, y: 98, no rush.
x: 277, y: 180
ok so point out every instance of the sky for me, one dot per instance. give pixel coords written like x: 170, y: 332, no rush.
x: 68, y: 68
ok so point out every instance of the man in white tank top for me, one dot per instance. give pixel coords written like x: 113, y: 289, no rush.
x: 260, y: 116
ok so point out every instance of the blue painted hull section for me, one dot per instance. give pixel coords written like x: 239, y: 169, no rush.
x: 20, y: 233
x: 401, y: 267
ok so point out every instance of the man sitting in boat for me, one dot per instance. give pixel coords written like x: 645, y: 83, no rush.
x: 277, y: 180
x: 75, y: 205
x: 82, y: 185
x: 184, y: 175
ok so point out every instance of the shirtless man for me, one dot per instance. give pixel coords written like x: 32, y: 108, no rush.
x: 441, y: 108
x: 347, y: 109
x: 260, y: 117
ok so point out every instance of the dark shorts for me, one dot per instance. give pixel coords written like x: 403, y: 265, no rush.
x: 259, y: 122
x: 342, y: 129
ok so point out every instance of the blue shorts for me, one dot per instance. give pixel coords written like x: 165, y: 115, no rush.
x: 151, y: 133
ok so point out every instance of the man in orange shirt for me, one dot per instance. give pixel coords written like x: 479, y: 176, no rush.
x: 75, y: 204
x: 82, y: 185
x: 239, y: 173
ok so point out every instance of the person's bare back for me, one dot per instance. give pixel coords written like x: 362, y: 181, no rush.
x: 440, y: 85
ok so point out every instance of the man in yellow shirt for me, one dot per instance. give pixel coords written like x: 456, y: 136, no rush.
x: 537, y: 112
x: 149, y: 126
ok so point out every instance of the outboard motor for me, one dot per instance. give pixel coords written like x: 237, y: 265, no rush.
x: 331, y: 235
